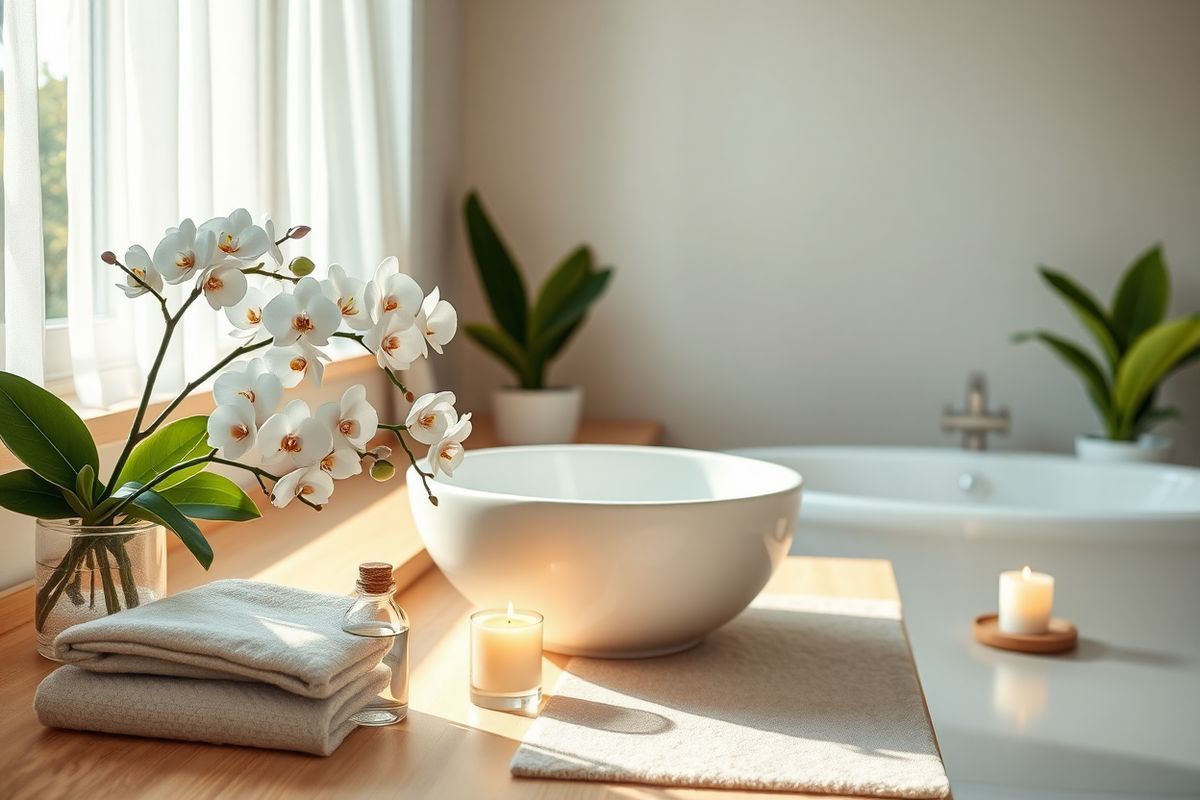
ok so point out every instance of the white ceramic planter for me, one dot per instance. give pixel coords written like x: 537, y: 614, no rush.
x: 537, y: 416
x: 1149, y: 448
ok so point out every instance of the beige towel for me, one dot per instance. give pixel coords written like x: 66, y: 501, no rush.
x: 230, y: 629
x: 796, y: 694
x: 215, y: 711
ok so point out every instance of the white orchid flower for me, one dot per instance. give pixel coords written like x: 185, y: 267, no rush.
x: 393, y: 292
x: 274, y: 251
x: 441, y: 320
x: 138, y: 261
x: 224, y: 285
x: 247, y: 315
x: 232, y: 427
x: 349, y: 294
x: 312, y: 483
x: 341, y: 463
x: 396, y: 341
x: 237, y: 236
x: 184, y: 252
x: 293, y: 438
x: 297, y: 363
x: 352, y: 421
x: 305, y: 314
x: 431, y: 416
x: 448, y: 453
x: 254, y: 381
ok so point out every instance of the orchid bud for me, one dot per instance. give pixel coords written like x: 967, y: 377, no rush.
x: 409, y: 396
x: 298, y: 231
x: 108, y: 257
x: 301, y: 266
x: 381, y: 452
x: 433, y: 499
x: 383, y: 470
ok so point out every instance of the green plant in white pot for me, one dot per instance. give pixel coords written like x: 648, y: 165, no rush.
x: 527, y: 337
x: 1139, y: 350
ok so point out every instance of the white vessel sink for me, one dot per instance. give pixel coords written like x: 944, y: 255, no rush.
x: 627, y: 551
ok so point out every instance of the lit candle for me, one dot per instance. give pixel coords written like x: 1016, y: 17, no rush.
x: 506, y: 658
x: 1026, y: 598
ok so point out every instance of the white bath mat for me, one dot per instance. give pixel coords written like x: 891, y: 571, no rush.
x: 796, y: 694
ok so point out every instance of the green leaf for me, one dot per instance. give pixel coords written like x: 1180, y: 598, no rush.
x: 153, y: 507
x: 499, y: 273
x: 1087, y: 309
x: 1149, y: 360
x: 211, y: 496
x: 85, y: 485
x: 1141, y: 299
x: 559, y: 286
x: 26, y: 492
x: 1087, y: 369
x: 43, y: 432
x: 1149, y: 419
x: 499, y: 344
x: 571, y: 312
x: 171, y: 444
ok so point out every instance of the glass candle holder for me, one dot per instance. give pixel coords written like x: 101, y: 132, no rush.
x: 506, y: 659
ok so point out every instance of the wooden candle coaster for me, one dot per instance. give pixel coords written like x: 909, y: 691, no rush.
x: 1061, y: 637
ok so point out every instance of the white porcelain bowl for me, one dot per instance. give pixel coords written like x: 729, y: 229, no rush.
x: 627, y: 551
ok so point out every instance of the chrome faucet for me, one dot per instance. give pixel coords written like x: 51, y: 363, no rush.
x: 975, y: 422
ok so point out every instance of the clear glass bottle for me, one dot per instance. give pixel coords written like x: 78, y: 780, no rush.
x: 375, y: 614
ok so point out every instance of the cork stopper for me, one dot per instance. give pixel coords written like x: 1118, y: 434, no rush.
x: 375, y: 577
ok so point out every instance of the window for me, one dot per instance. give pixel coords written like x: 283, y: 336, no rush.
x: 52, y: 143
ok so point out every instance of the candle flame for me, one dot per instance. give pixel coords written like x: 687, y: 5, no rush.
x: 510, y: 606
x: 1025, y: 573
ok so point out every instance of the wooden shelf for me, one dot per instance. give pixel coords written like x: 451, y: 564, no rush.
x: 447, y: 748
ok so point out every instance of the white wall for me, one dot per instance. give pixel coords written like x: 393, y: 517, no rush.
x: 824, y: 214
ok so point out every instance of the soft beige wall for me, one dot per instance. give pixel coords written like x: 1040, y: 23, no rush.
x: 824, y: 214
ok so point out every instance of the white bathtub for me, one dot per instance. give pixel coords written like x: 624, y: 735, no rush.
x: 1119, y: 717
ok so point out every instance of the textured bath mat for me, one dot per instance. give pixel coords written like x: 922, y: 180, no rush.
x: 796, y: 694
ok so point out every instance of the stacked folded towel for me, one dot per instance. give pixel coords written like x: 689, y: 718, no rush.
x: 231, y: 662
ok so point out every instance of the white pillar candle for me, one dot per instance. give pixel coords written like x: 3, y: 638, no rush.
x: 506, y: 653
x: 1026, y: 599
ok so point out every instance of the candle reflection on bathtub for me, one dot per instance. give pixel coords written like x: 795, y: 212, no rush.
x: 1019, y: 693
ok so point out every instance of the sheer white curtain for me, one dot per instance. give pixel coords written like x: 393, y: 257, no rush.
x: 296, y: 110
x: 23, y: 286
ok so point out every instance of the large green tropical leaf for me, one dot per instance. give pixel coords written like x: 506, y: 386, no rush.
x: 559, y: 286
x: 1085, y: 367
x: 26, y: 492
x: 171, y: 444
x: 1087, y: 309
x: 1149, y: 360
x: 43, y: 432
x: 499, y: 273
x: 1141, y: 299
x: 211, y: 496
x: 152, y: 506
x: 501, y: 345
x: 570, y: 312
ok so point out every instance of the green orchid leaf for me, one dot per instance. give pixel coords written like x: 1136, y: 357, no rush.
x: 497, y: 270
x: 1083, y: 364
x: 171, y: 444
x: 570, y: 312
x: 26, y: 492
x: 1141, y: 299
x: 1087, y: 309
x: 153, y: 507
x: 1154, y: 355
x: 85, y: 485
x: 211, y: 496
x: 565, y: 278
x: 501, y: 345
x: 43, y: 432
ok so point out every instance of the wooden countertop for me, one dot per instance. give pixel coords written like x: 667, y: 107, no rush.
x: 447, y: 748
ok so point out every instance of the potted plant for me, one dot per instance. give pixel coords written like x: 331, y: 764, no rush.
x: 101, y: 540
x: 1139, y: 349
x: 526, y: 338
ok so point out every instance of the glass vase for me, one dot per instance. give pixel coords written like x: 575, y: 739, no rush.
x: 86, y: 572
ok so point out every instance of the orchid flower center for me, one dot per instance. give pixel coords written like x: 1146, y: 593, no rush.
x: 449, y: 451
x: 248, y: 394
x: 138, y: 271
x: 239, y: 432
x: 327, y: 463
x: 349, y: 306
x: 307, y: 489
x: 390, y: 343
x: 253, y: 315
x: 347, y: 427
x: 229, y: 243
x: 290, y: 443
x: 298, y: 364
x: 428, y: 420
x: 390, y: 303
x: 214, y: 284
x: 185, y: 260
x: 302, y: 323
